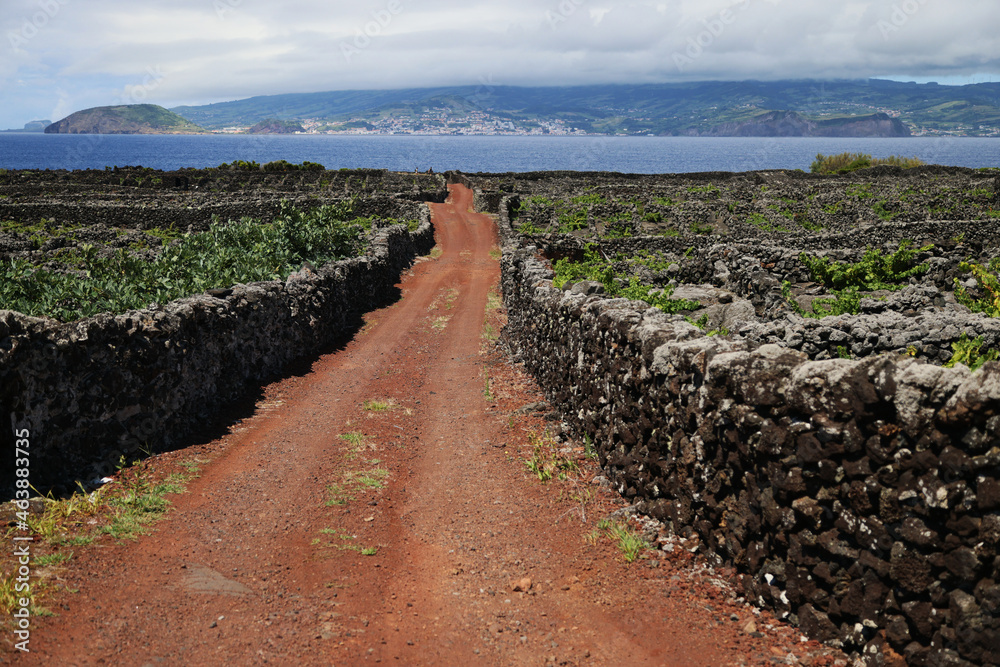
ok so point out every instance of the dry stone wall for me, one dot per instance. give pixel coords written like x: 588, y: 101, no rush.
x: 859, y: 498
x: 139, y: 198
x: 94, y: 390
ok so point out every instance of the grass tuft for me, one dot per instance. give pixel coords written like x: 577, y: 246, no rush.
x: 378, y: 405
x: 626, y: 538
x: 546, y: 461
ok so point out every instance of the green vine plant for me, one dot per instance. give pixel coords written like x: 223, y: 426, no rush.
x: 844, y: 302
x: 875, y: 270
x: 986, y: 277
x: 229, y: 253
x: 528, y: 229
x: 847, y: 280
x: 702, y: 323
x: 969, y: 352
x: 570, y: 215
x: 597, y: 268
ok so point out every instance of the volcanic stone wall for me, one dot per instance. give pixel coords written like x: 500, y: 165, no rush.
x: 195, y: 218
x: 859, y: 498
x: 94, y: 390
x: 139, y: 198
x: 909, y: 321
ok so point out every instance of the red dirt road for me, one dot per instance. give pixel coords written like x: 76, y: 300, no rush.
x: 268, y: 559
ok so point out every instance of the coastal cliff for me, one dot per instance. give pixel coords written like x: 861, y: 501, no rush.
x: 792, y: 124
x: 275, y: 126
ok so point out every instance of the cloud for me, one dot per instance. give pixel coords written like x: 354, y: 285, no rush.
x: 71, y: 54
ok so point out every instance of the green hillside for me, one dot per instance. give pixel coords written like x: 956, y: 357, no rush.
x: 670, y: 109
x: 126, y: 119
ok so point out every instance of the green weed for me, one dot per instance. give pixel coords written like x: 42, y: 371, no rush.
x: 9, y: 596
x: 373, y: 479
x: 546, y: 461
x: 346, y: 543
x: 628, y: 541
x: 357, y: 442
x: 55, y: 558
x: 337, y: 494
x: 378, y: 405
x: 137, y: 507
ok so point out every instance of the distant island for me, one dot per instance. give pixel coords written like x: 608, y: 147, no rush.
x: 32, y: 126
x: 851, y: 108
x: 37, y: 125
x: 125, y: 119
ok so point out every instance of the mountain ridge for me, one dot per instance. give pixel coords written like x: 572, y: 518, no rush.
x: 663, y: 109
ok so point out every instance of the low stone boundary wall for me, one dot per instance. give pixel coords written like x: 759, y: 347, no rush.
x: 112, y: 385
x: 860, y: 499
x: 196, y: 217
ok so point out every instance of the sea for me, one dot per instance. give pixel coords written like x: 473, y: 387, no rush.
x: 471, y: 154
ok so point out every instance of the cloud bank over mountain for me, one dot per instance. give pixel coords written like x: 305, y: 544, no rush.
x: 59, y: 56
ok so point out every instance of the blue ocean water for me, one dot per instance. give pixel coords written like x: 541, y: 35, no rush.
x: 646, y: 155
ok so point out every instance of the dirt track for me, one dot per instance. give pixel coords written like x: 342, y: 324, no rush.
x: 261, y: 561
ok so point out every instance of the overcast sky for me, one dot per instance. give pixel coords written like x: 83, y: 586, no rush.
x: 60, y: 56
